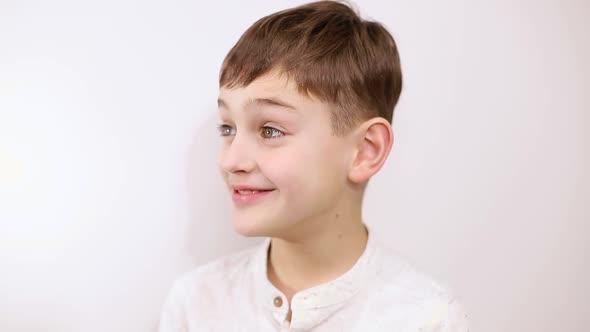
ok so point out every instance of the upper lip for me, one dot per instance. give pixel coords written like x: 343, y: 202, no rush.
x: 248, y: 187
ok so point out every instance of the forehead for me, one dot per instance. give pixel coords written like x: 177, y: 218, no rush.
x: 273, y: 90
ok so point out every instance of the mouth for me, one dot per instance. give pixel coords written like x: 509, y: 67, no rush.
x: 247, y: 196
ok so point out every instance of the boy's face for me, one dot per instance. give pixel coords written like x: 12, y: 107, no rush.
x: 279, y: 141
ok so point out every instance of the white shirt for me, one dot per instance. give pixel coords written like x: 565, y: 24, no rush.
x: 381, y: 292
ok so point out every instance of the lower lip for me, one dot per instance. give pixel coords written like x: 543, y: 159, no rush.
x: 250, y: 198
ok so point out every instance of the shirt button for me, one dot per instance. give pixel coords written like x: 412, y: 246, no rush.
x: 278, y: 301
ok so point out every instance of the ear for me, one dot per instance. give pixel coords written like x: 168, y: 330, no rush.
x: 374, y: 140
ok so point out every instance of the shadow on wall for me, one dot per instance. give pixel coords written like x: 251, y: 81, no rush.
x: 210, y: 233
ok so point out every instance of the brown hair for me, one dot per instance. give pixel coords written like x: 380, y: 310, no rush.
x: 330, y: 52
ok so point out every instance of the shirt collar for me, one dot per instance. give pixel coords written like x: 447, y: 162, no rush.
x: 326, y: 296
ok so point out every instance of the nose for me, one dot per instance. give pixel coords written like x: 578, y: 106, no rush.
x: 237, y: 155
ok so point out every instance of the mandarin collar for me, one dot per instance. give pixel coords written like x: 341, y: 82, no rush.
x: 312, y: 305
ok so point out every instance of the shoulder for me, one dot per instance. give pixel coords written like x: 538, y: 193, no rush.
x: 201, y: 292
x: 220, y: 271
x: 427, y: 302
x: 195, y: 292
x: 206, y: 282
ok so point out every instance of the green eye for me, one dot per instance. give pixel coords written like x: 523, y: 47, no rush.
x: 270, y: 132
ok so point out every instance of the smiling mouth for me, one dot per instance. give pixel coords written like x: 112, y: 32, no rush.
x: 250, y: 192
x: 250, y: 196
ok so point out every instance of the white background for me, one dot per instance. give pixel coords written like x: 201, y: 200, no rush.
x: 108, y: 181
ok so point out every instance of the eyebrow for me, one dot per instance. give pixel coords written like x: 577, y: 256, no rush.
x: 261, y: 102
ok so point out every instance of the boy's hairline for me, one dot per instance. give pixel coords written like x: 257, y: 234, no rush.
x: 277, y: 71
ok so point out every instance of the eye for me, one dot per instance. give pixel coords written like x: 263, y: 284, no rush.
x: 225, y: 130
x: 270, y: 132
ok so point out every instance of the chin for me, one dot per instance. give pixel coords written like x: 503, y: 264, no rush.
x: 249, y: 227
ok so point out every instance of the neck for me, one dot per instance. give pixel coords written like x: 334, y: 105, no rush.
x: 319, y: 256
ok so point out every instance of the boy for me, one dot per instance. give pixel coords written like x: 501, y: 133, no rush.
x: 306, y: 100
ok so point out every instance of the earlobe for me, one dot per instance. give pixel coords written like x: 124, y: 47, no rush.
x: 374, y: 144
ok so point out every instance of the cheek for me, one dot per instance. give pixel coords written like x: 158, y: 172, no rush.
x: 301, y: 172
x: 282, y: 168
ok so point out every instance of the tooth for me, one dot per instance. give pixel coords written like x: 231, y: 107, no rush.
x: 247, y: 192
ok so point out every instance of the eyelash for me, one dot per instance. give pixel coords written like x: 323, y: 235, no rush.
x: 222, y: 131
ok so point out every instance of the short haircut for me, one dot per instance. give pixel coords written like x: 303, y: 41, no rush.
x: 330, y: 53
